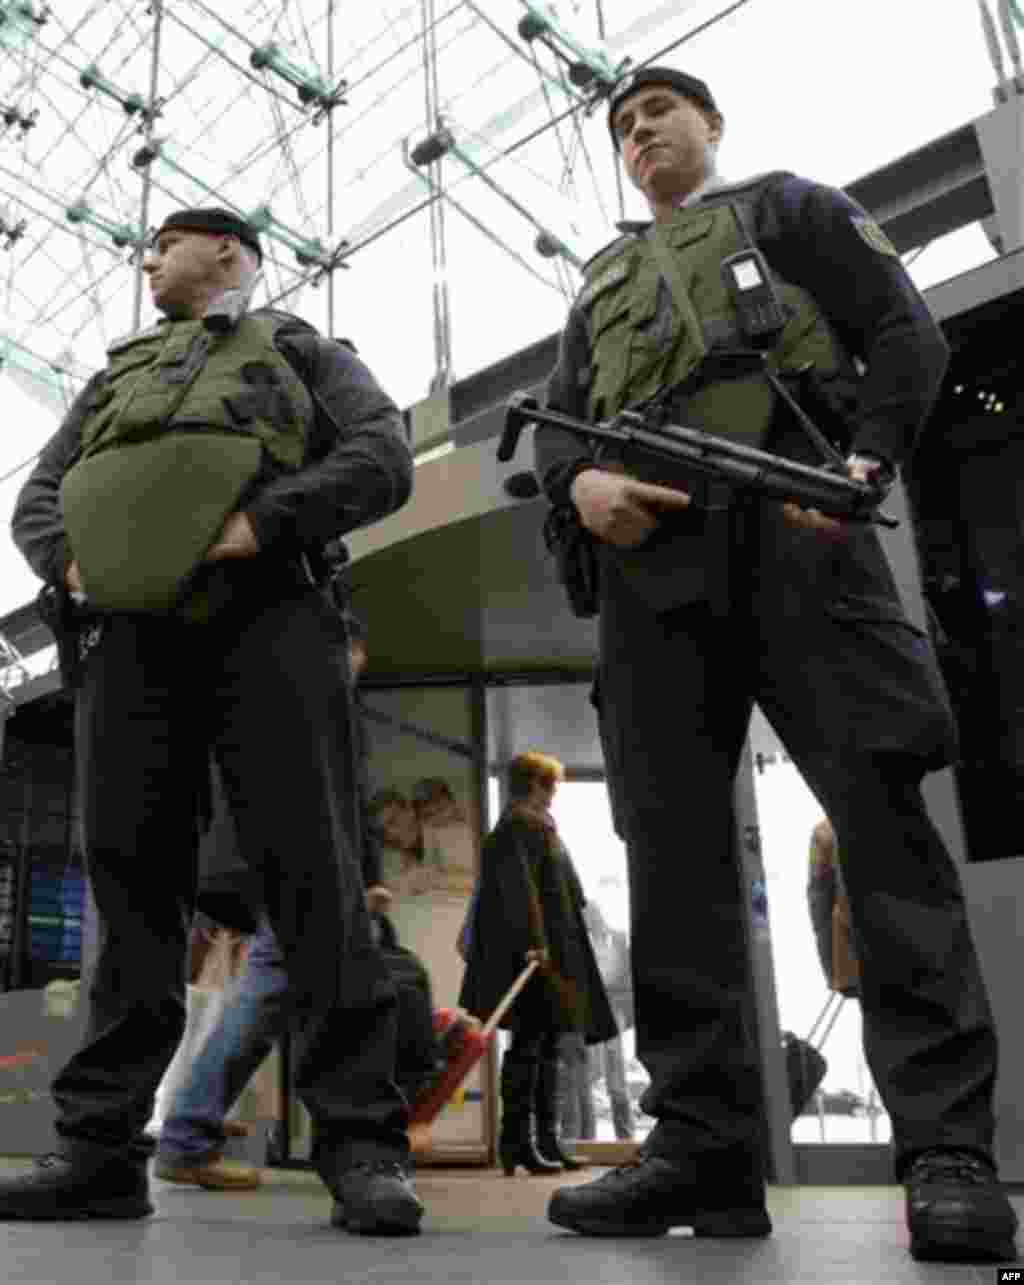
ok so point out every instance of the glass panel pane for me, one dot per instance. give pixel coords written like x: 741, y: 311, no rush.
x: 965, y: 486
x: 423, y: 791
x: 845, y: 1106
x: 423, y: 797
x: 423, y: 806
x: 600, y: 1086
x: 610, y: 1084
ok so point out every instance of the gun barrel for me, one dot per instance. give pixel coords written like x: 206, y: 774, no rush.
x: 773, y: 475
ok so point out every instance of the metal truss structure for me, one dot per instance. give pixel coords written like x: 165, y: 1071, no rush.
x: 330, y: 125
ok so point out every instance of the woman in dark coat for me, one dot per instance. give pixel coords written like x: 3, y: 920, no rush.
x: 529, y: 906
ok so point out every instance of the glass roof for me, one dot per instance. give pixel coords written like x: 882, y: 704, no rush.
x: 303, y: 114
x: 300, y: 114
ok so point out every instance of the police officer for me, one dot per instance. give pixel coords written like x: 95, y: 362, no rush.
x: 179, y: 505
x: 710, y: 602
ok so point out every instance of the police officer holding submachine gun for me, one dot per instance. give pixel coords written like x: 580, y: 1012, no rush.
x: 174, y: 515
x: 733, y: 303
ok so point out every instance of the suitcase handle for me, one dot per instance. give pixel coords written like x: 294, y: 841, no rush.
x: 831, y: 1016
x: 508, y: 998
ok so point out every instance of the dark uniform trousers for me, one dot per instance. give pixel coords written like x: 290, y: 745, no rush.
x: 811, y: 630
x: 264, y: 685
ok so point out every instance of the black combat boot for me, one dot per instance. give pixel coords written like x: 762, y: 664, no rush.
x: 375, y: 1198
x: 715, y: 1193
x: 956, y: 1209
x: 81, y: 1181
x: 546, y: 1110
x: 516, y: 1145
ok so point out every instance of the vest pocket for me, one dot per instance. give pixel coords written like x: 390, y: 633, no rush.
x: 654, y: 333
x: 141, y: 518
x: 615, y: 312
x: 130, y: 364
x: 610, y: 355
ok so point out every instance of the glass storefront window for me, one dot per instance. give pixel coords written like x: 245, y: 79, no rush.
x: 845, y: 1107
x: 600, y: 1086
x: 614, y: 1078
x: 423, y: 805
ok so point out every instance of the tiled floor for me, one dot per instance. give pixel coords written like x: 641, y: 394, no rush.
x: 480, y: 1228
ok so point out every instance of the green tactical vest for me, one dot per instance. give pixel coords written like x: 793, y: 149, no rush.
x: 178, y: 430
x: 639, y: 347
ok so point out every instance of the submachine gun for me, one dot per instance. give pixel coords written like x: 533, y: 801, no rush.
x: 744, y: 468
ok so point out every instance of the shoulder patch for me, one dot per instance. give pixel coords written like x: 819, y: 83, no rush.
x: 871, y: 234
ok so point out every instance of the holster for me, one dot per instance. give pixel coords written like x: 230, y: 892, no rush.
x: 75, y: 631
x: 572, y: 547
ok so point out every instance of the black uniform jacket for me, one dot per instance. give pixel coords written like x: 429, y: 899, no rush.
x: 813, y: 236
x: 531, y: 898
x: 356, y: 470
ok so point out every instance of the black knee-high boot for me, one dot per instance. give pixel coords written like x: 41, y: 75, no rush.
x: 518, y: 1089
x: 546, y: 1105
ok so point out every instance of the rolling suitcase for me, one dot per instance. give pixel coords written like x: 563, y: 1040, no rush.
x: 464, y: 1043
x: 805, y: 1063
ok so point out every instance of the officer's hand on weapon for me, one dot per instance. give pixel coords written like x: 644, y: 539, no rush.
x: 73, y: 579
x: 861, y: 468
x: 619, y: 509
x: 236, y: 540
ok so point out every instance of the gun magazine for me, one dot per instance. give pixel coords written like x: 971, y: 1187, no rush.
x: 576, y: 559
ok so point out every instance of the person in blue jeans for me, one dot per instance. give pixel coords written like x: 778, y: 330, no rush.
x: 193, y: 1135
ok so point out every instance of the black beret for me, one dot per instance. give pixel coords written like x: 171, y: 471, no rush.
x: 689, y: 86
x: 214, y: 221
